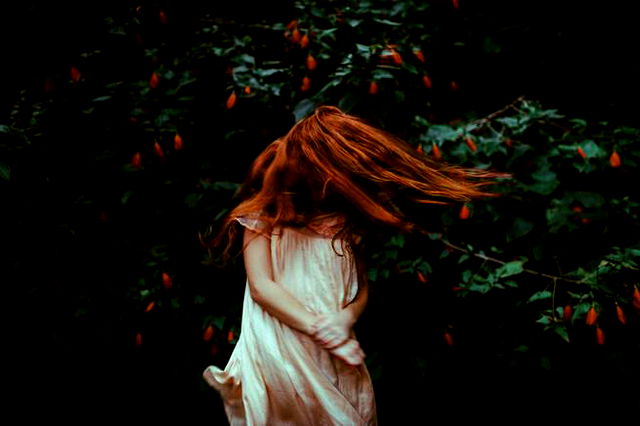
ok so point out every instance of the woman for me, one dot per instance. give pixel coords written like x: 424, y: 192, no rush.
x: 307, y: 204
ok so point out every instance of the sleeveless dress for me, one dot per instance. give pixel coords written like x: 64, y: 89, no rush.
x: 277, y: 375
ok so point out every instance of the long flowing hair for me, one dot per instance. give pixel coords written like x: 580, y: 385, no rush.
x: 333, y: 162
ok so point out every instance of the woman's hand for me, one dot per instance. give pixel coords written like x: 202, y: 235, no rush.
x: 332, y: 329
x: 350, y: 352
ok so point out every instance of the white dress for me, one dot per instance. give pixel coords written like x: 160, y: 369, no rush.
x: 277, y: 375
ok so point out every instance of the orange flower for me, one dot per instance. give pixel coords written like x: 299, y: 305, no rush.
x: 150, y: 306
x: 295, y: 36
x: 230, y: 336
x: 247, y: 90
x: 621, y: 316
x: 508, y: 142
x: 636, y: 298
x: 373, y: 87
x: 177, y: 142
x: 396, y: 58
x: 422, y: 277
x: 306, y: 84
x: 154, y: 80
x: 390, y: 55
x: 208, y: 333
x: 448, y: 338
x: 304, y: 41
x: 567, y: 313
x: 167, y: 282
x: 292, y: 24
x: 311, y: 63
x: 592, y: 315
x: 231, y: 100
x: 158, y: 149
x: 614, y: 160
x: 470, y: 143
x: 464, y: 212
x: 581, y: 152
x: 419, y: 55
x: 426, y: 81
x: 136, y: 160
x: 436, y: 152
x: 75, y: 74
x: 599, y: 336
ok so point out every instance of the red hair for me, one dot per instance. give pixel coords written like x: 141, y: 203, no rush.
x: 331, y: 161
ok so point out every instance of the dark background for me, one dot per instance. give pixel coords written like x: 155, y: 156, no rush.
x: 574, y: 56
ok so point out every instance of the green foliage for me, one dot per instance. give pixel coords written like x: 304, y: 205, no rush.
x: 563, y: 232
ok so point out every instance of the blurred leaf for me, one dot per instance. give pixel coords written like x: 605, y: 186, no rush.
x: 541, y: 295
x: 303, y: 108
x: 510, y: 268
x: 5, y: 171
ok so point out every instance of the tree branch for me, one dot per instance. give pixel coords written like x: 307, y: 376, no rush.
x: 501, y: 262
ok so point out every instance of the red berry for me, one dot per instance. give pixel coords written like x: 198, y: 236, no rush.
x: 208, y: 333
x: 177, y: 142
x: 231, y: 100
x: 614, y: 160
x: 136, y: 160
x: 592, y: 315
x: 373, y: 88
x: 464, y: 212
x: 167, y: 282
x: 154, y: 80
x: 620, y: 313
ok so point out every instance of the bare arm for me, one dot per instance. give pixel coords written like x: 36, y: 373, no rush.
x: 357, y: 305
x: 273, y: 297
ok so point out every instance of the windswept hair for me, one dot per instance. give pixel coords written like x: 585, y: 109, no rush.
x: 331, y: 161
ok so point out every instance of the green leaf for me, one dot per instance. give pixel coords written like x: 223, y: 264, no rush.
x: 230, y: 186
x: 102, y: 98
x: 587, y: 199
x: 561, y: 331
x: 510, y: 268
x: 544, y: 319
x: 593, y: 150
x: 192, y: 200
x: 540, y: 295
x: 126, y: 196
x: 519, y: 228
x: 480, y: 288
x: 397, y: 240
x: 303, y: 108
x: 218, y: 322
x: 5, y: 171
x: 387, y: 22
x: 440, y: 133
